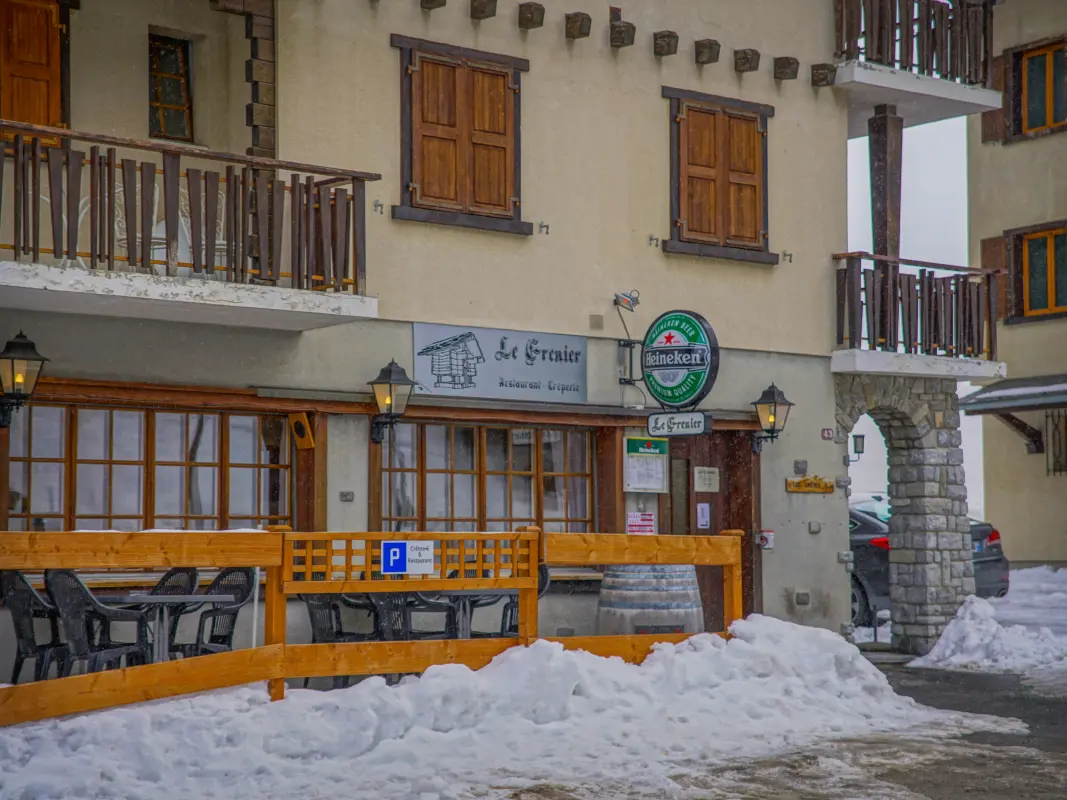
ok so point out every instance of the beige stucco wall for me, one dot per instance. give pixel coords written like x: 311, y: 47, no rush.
x: 1012, y: 186
x: 109, y: 68
x: 595, y: 164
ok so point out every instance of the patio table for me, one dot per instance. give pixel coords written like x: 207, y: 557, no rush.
x: 163, y: 601
x: 464, y: 604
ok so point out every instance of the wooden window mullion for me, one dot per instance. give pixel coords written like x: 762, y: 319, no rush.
x: 69, y: 470
x: 481, y: 481
x: 222, y: 480
x: 722, y: 174
x: 149, y: 478
x: 420, y: 477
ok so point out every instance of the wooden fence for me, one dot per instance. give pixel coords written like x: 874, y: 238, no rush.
x: 298, y: 563
x: 240, y: 219
x: 949, y: 41
x: 916, y: 310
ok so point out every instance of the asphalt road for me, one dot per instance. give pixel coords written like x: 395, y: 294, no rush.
x: 981, y: 766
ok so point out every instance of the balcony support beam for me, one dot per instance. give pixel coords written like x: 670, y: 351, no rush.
x: 886, y: 131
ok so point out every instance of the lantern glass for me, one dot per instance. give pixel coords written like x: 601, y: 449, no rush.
x: 772, y: 408
x: 20, y: 367
x: 392, y: 390
x: 858, y: 443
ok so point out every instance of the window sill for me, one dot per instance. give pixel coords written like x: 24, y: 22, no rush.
x: 1012, y: 138
x: 458, y: 220
x: 717, y: 251
x: 1022, y: 320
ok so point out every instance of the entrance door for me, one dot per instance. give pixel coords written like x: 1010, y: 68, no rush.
x: 733, y: 505
x: 30, y: 75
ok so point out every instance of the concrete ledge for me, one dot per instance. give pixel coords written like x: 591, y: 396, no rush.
x: 73, y: 290
x: 880, y: 362
x: 919, y: 98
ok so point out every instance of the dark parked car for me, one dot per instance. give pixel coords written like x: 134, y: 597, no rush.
x: 869, y: 535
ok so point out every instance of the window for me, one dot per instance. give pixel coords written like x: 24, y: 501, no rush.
x: 460, y: 122
x: 1044, y: 259
x: 718, y: 177
x: 441, y: 477
x: 83, y: 468
x: 170, y: 106
x: 1043, y: 79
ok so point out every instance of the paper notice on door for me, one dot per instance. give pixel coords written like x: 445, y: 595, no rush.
x: 641, y: 523
x: 705, y: 479
x: 703, y: 516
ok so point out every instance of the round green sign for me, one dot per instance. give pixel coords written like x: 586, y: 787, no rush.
x: 680, y: 360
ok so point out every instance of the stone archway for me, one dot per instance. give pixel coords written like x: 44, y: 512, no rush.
x: 930, y: 567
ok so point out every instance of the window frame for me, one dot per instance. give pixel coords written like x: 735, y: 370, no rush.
x: 1013, y: 108
x: 382, y: 472
x: 1015, y: 241
x: 677, y: 243
x: 1049, y: 234
x: 1050, y: 126
x: 411, y: 49
x: 150, y: 462
x: 155, y: 103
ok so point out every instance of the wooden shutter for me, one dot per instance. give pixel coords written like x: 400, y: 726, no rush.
x: 438, y: 99
x: 744, y: 200
x: 699, y: 135
x: 994, y: 256
x: 491, y: 161
x: 995, y: 123
x: 30, y: 86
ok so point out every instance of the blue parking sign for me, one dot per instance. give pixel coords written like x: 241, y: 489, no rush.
x: 394, y: 558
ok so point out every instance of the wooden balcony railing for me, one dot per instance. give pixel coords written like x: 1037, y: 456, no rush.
x: 332, y: 563
x: 108, y: 203
x: 947, y: 39
x: 916, y: 310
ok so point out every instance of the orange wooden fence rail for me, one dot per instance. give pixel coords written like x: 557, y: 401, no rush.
x: 333, y: 563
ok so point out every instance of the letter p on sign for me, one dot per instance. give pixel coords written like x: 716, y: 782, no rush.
x: 394, y: 558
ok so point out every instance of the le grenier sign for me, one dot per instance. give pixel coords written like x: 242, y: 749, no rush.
x: 680, y: 360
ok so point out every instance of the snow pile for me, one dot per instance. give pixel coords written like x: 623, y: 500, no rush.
x: 537, y: 714
x: 866, y: 635
x: 974, y: 639
x: 1037, y: 598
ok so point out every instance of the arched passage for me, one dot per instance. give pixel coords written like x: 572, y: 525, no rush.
x: 930, y: 566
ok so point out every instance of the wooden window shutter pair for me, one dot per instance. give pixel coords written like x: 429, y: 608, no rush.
x: 994, y: 256
x: 463, y: 137
x: 721, y: 168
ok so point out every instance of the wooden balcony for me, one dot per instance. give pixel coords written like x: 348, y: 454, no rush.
x: 913, y: 308
x: 947, y: 39
x: 161, y: 210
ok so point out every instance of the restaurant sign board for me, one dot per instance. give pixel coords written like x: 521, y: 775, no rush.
x: 680, y: 359
x: 678, y: 423
x: 499, y: 364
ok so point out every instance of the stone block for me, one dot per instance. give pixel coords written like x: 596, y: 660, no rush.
x: 927, y: 556
x: 932, y: 505
x: 903, y: 474
x: 930, y: 619
x: 926, y: 523
x: 920, y: 630
x: 924, y: 540
x: 948, y: 541
x: 955, y: 491
x: 948, y: 438
x: 954, y: 456
x: 901, y: 556
x: 933, y: 386
x: 707, y: 52
x: 904, y: 613
x: 968, y: 568
x: 968, y: 585
x: 952, y: 419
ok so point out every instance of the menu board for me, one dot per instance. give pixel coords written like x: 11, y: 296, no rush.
x: 646, y: 465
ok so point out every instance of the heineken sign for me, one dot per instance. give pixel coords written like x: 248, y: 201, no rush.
x: 680, y: 360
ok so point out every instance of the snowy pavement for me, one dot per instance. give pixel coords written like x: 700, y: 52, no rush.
x: 534, y: 717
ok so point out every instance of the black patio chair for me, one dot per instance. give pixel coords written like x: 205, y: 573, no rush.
x: 509, y: 619
x: 175, y: 581
x: 26, y: 605
x: 324, y: 611
x: 82, y: 616
x: 214, y: 631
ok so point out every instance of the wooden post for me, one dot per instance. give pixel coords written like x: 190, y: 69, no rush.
x: 528, y: 597
x: 274, y: 615
x: 5, y: 467
x: 732, y: 594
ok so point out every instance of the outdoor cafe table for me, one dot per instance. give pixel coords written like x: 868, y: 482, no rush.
x: 162, y: 640
x: 463, y: 603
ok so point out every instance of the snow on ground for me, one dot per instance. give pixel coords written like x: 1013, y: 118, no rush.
x: 534, y: 715
x: 1024, y: 632
x: 867, y: 635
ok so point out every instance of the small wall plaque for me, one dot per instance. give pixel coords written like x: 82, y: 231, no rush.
x: 812, y: 484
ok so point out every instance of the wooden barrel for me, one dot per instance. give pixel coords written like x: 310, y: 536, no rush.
x: 649, y: 598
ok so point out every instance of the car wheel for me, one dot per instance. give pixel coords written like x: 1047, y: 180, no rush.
x: 861, y: 609
x: 1002, y: 593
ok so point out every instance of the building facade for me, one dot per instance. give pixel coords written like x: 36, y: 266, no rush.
x: 490, y: 177
x: 1018, y: 208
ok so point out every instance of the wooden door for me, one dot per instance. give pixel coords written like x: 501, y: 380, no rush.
x: 30, y: 73
x: 733, y: 506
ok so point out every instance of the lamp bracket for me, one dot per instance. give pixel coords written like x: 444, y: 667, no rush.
x: 379, y: 425
x: 7, y: 407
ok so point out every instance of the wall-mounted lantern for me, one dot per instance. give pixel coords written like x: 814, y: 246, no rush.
x: 772, y: 408
x: 20, y: 367
x: 857, y: 448
x: 392, y: 390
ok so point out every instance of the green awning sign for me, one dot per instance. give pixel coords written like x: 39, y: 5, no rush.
x: 680, y: 360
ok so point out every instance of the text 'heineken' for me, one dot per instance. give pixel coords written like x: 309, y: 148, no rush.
x: 680, y: 360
